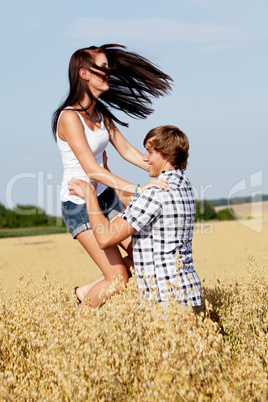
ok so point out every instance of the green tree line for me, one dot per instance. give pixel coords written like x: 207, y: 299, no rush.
x: 25, y: 216
x: 205, y: 212
x: 238, y: 200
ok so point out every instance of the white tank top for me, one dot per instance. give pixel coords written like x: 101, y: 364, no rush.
x: 97, y: 141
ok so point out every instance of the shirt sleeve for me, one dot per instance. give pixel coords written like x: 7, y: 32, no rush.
x: 143, y: 209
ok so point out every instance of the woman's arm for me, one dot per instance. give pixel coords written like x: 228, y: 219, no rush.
x: 123, y: 147
x: 106, y: 233
x: 71, y: 130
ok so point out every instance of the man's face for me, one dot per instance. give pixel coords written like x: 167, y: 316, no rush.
x: 155, y: 160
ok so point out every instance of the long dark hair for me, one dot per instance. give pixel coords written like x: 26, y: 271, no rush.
x: 133, y: 80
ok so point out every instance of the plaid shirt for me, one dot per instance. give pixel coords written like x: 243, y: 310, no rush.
x: 162, y: 243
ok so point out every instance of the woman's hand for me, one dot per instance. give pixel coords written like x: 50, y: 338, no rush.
x: 81, y: 188
x: 163, y: 184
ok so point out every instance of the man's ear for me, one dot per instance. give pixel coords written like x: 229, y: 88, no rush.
x: 85, y: 74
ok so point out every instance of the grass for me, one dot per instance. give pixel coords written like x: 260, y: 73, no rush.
x: 33, y: 231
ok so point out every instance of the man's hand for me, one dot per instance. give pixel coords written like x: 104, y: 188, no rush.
x: 81, y: 188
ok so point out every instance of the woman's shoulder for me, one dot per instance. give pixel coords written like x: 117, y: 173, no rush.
x: 69, y: 114
x: 69, y: 122
x: 69, y: 111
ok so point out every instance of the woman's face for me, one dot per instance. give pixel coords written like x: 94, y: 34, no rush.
x: 97, y: 84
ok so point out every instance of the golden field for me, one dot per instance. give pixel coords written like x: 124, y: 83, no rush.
x: 126, y: 350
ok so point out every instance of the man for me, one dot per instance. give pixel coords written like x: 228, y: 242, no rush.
x: 160, y: 222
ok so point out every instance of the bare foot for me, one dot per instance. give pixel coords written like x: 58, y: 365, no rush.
x: 82, y: 291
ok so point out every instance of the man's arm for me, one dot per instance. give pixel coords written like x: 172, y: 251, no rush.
x: 106, y: 233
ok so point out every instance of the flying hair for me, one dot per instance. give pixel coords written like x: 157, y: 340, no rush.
x: 133, y: 82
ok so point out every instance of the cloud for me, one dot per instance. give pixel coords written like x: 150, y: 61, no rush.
x: 152, y: 31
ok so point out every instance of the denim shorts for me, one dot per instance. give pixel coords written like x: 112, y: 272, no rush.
x: 75, y: 216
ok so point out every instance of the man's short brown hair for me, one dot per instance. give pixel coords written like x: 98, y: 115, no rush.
x: 172, y: 143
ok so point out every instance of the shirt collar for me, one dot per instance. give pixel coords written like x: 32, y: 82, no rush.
x: 170, y: 172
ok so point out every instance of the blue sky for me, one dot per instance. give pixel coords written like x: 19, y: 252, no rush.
x: 215, y: 51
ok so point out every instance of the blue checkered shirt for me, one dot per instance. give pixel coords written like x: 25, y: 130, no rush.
x: 162, y: 242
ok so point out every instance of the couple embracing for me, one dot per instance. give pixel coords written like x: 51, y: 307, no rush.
x: 156, y: 227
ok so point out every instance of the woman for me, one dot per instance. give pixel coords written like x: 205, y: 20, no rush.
x: 83, y: 125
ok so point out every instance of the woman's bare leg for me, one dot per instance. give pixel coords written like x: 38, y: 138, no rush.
x: 110, y: 263
x: 82, y: 291
x: 128, y: 259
